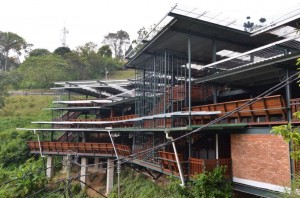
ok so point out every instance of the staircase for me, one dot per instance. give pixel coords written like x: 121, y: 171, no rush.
x: 68, y: 116
x: 67, y: 136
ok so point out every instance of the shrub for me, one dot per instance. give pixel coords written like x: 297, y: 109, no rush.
x: 208, y: 184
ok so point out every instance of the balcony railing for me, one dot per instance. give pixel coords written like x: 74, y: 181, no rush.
x: 83, y: 148
x: 193, y: 166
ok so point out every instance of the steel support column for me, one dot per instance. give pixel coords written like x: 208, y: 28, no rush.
x: 190, y: 74
x: 289, y: 116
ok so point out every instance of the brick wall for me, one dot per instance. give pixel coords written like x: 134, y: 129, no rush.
x: 260, y: 157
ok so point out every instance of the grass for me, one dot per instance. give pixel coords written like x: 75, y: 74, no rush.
x: 19, y: 111
x: 122, y: 74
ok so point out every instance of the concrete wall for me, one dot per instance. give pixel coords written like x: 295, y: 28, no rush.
x: 260, y: 159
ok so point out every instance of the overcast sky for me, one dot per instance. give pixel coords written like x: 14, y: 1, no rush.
x: 40, y: 22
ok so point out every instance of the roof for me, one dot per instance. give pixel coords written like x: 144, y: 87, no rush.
x: 174, y: 38
x: 230, y: 42
x: 109, y: 89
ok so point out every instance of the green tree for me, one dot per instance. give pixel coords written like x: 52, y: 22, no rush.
x: 11, y: 42
x: 117, y: 41
x: 291, y: 134
x: 105, y: 51
x: 39, y: 52
x: 144, y: 34
x: 87, y: 63
x: 62, y: 51
x: 7, y: 80
x: 42, y: 71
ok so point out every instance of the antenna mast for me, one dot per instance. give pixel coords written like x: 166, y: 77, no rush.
x: 64, y: 37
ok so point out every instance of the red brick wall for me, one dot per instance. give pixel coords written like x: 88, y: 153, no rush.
x: 260, y: 157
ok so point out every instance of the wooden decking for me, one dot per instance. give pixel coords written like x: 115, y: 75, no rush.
x: 193, y: 166
x: 268, y: 109
x: 81, y: 148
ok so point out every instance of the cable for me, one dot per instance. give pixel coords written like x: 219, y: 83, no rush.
x: 40, y: 170
x: 259, y: 97
x: 92, y: 188
x: 69, y: 182
x: 68, y: 179
x: 41, y: 190
x: 251, y: 101
x: 146, y: 151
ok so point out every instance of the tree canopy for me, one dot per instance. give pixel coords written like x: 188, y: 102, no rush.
x: 117, y: 41
x: 39, y: 52
x: 62, y: 51
x: 105, y: 51
x: 42, y: 71
x: 11, y: 42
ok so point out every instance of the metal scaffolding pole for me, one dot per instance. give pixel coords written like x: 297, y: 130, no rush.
x: 118, y: 162
x: 190, y: 68
x: 289, y: 117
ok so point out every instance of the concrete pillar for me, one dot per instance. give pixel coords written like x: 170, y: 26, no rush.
x: 64, y: 164
x: 98, y: 166
x: 96, y: 162
x: 83, y: 168
x: 50, y: 168
x: 110, y: 176
x: 83, y: 172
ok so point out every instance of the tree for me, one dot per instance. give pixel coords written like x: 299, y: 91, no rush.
x: 144, y: 35
x: 39, y: 52
x: 42, y: 71
x: 117, y: 41
x: 291, y: 134
x: 86, y: 49
x: 7, y: 80
x: 87, y: 63
x: 105, y: 51
x: 62, y: 51
x: 11, y: 42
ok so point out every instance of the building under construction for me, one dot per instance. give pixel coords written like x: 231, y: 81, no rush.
x: 206, y: 93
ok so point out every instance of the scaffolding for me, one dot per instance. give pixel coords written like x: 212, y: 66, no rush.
x: 161, y: 84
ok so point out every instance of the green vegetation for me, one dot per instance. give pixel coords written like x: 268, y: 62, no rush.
x: 122, y: 74
x: 291, y: 134
x: 136, y: 185
x: 209, y: 184
x: 15, y: 161
x: 42, y: 71
x: 23, y: 180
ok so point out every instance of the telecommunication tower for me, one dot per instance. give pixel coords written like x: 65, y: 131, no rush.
x: 63, y: 39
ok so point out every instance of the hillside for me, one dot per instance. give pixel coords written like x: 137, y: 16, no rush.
x: 122, y: 74
x: 15, y: 160
x: 19, y: 111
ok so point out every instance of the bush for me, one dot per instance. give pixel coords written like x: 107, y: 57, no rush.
x: 209, y: 184
x: 25, y: 180
x: 138, y: 186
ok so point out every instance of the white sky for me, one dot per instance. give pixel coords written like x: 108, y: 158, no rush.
x: 40, y: 22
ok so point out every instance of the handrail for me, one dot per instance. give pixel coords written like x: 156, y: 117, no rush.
x: 79, y: 147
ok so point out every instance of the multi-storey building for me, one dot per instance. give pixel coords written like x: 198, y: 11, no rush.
x: 205, y: 94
